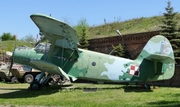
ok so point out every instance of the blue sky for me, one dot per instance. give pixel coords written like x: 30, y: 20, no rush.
x: 15, y: 14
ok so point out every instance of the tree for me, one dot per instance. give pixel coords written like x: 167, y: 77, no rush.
x: 169, y: 29
x: 83, y: 39
x: 81, y: 24
x: 7, y: 36
x: 118, y: 50
x: 28, y: 38
x: 81, y: 29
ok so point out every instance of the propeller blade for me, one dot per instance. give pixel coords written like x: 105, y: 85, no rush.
x: 12, y: 62
x: 10, y: 68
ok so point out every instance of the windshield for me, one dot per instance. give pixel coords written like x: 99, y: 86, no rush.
x: 43, y: 47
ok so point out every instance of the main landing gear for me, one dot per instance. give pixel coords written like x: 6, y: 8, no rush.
x: 34, y: 85
x: 46, y: 80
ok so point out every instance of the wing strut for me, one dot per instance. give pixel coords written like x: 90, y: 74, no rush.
x: 62, y: 54
x: 67, y: 60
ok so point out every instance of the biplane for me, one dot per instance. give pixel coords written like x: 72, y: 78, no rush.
x: 63, y: 57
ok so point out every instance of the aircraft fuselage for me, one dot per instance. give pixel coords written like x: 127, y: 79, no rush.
x: 90, y: 65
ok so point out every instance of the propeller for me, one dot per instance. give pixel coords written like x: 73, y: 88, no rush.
x: 11, y: 54
x: 11, y: 62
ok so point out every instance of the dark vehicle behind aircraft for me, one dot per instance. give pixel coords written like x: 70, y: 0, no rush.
x: 18, y: 73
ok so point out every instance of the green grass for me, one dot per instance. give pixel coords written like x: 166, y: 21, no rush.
x: 9, y: 45
x: 106, y: 96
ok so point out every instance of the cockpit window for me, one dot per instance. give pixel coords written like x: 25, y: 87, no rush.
x: 43, y: 47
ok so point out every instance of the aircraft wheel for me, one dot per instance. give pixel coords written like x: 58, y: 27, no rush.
x: 35, y: 85
x: 14, y: 80
x: 28, y: 78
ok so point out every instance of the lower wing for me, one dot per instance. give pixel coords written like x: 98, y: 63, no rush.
x: 49, y: 67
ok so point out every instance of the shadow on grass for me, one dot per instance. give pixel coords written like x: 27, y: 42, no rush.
x: 8, y: 93
x: 136, y: 89
x: 165, y: 103
x: 126, y: 89
x: 25, y: 93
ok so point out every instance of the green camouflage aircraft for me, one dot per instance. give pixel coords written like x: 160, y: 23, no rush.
x: 63, y: 57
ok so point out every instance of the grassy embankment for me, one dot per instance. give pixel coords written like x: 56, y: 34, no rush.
x: 9, y: 45
x: 137, y: 25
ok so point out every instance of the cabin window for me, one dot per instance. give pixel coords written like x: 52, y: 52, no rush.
x: 43, y: 47
x: 93, y: 63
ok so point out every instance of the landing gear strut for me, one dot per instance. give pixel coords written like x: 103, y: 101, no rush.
x: 36, y: 85
x: 46, y: 80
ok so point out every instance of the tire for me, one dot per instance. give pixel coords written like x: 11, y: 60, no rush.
x: 14, y: 80
x: 28, y: 78
x: 34, y: 85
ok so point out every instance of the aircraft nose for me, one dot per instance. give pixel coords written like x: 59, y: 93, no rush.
x: 21, y: 55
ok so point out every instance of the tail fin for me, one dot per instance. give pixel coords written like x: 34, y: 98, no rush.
x: 158, y: 55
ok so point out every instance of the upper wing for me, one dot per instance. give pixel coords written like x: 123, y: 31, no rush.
x: 56, y: 31
x: 59, y: 34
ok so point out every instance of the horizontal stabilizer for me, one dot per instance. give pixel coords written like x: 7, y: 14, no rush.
x: 49, y: 67
x: 160, y: 57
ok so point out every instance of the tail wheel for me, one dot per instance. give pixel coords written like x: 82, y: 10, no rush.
x: 28, y: 78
